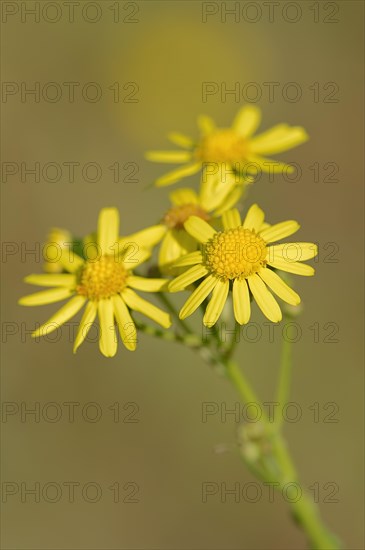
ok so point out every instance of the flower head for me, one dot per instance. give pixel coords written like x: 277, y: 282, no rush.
x: 185, y: 202
x: 242, y: 258
x: 104, y: 283
x: 223, y: 151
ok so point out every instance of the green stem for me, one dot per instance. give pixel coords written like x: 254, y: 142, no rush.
x: 217, y: 339
x: 306, y: 514
x: 190, y: 340
x: 304, y: 510
x: 228, y: 353
x: 276, y: 465
x: 242, y: 386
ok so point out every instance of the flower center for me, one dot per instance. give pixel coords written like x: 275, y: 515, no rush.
x: 176, y: 216
x: 235, y: 253
x: 102, y: 278
x: 222, y: 146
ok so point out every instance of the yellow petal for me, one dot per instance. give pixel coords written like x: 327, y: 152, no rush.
x: 170, y: 249
x: 279, y: 231
x: 61, y: 316
x: 292, y: 267
x: 215, y: 188
x: 199, y: 229
x: 147, y: 285
x: 189, y: 259
x: 169, y: 156
x: 278, y: 140
x: 147, y: 238
x: 137, y: 303
x: 280, y: 288
x: 127, y: 328
x: 70, y: 261
x: 185, y: 279
x: 178, y: 174
x: 176, y: 243
x: 44, y: 279
x: 254, y: 218
x: 247, y: 120
x: 198, y: 296
x: 46, y: 297
x: 231, y: 219
x: 59, y: 235
x: 107, y: 340
x: 264, y: 299
x: 206, y: 125
x: 293, y: 252
x: 187, y: 242
x: 132, y: 255
x: 273, y: 133
x: 181, y: 140
x: 216, y: 304
x: 241, y: 301
x: 85, y: 324
x: 208, y: 184
x: 180, y: 197
x: 108, y: 230
x: 256, y: 164
x: 230, y: 199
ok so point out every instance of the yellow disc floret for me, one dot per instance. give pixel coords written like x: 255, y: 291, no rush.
x: 222, y: 146
x: 102, y: 278
x: 235, y: 253
x: 176, y: 216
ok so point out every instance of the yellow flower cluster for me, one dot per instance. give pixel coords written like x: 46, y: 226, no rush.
x: 204, y: 244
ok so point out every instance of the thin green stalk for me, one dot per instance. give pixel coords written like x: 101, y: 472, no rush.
x: 304, y: 509
x: 274, y: 464
x: 233, y: 343
x: 306, y: 514
x: 215, y: 330
x: 241, y: 384
x: 190, y: 340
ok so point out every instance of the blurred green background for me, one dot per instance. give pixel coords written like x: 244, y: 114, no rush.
x: 168, y: 51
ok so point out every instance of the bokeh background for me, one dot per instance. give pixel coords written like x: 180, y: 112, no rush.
x: 168, y: 51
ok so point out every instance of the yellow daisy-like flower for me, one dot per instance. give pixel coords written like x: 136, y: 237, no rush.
x: 241, y: 258
x: 232, y: 149
x: 185, y: 203
x: 105, y: 284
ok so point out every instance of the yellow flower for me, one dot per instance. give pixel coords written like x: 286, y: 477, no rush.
x: 57, y: 240
x: 223, y: 150
x: 185, y: 203
x: 105, y: 283
x: 241, y: 258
